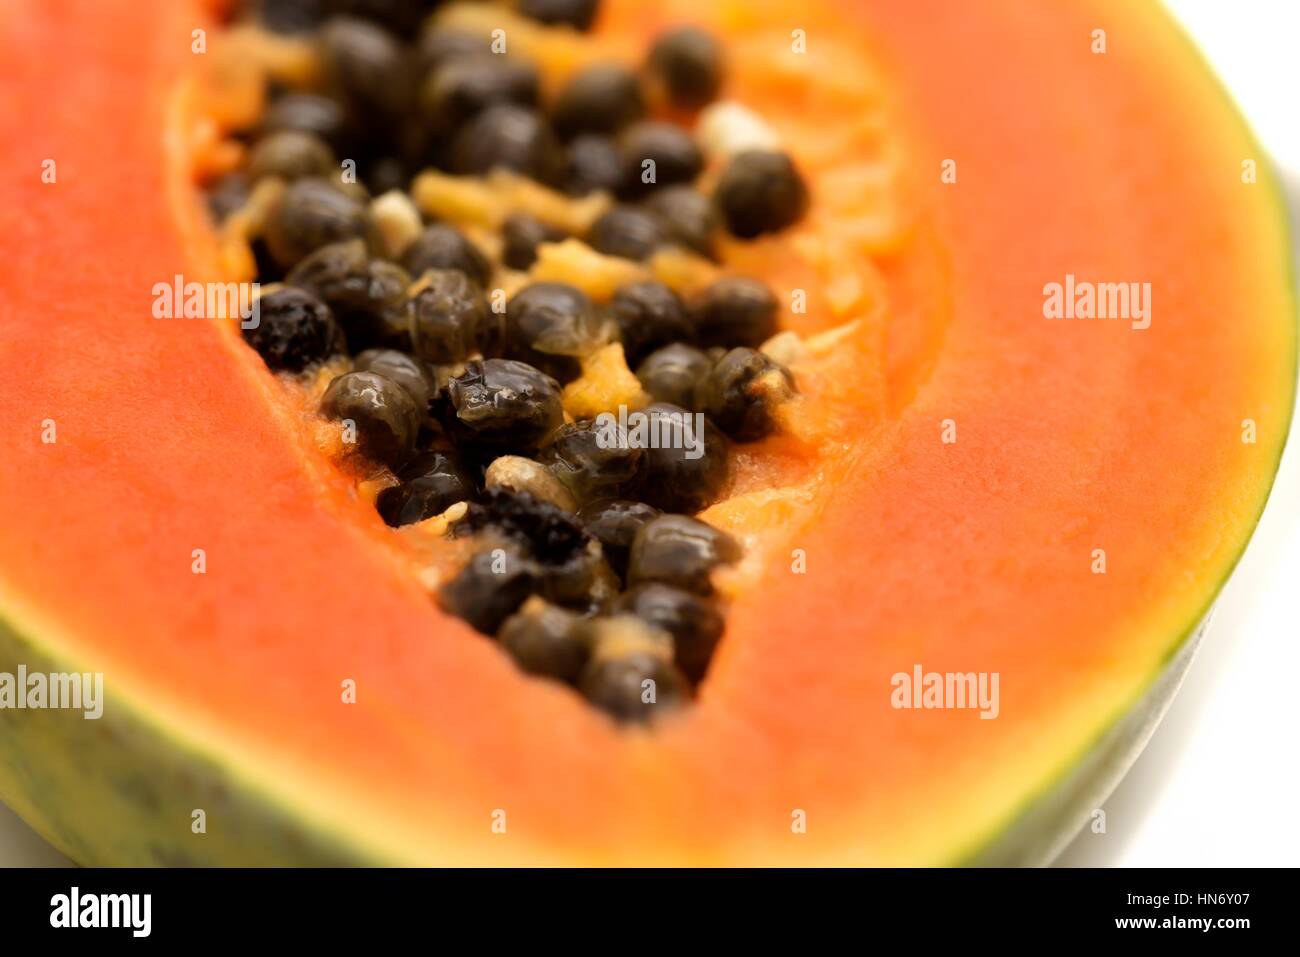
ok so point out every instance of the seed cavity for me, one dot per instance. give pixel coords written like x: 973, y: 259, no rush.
x: 470, y: 308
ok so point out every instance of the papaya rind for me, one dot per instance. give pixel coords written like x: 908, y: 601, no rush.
x: 1045, y: 824
x: 121, y: 790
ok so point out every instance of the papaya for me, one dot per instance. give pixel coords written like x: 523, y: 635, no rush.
x: 1033, y: 300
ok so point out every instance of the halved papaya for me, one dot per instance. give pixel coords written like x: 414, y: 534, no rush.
x: 972, y: 481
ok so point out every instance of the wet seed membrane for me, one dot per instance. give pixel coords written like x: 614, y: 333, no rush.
x: 588, y: 566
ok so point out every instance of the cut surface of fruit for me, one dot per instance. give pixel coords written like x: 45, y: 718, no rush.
x: 963, y: 485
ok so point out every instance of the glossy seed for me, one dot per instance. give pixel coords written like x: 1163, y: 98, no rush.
x: 687, y: 464
x: 599, y: 99
x: 549, y: 324
x: 592, y: 163
x: 521, y: 234
x: 585, y: 582
x: 593, y: 460
x: 694, y: 622
x: 657, y: 154
x: 760, y: 191
x: 681, y: 551
x: 448, y: 317
x: 628, y: 232
x: 312, y: 213
x: 500, y: 405
x: 506, y: 136
x: 672, y: 373
x: 443, y: 247
x: 467, y: 85
x: 380, y: 316
x: 335, y: 272
x: 366, y: 68
x: 635, y: 688
x: 410, y: 373
x: 312, y: 113
x: 294, y: 329
x: 368, y: 296
x: 440, y: 45
x: 291, y: 154
x: 488, y: 590
x: 649, y: 315
x: 688, y: 61
x: 382, y: 413
x: 546, y: 640
x: 688, y: 217
x: 630, y: 674
x: 742, y: 392
x: 735, y: 311
x: 429, y: 485
x: 614, y: 523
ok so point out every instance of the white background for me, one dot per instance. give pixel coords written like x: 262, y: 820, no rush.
x: 1220, y: 782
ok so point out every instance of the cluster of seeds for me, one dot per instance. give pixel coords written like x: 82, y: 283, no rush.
x: 587, y: 566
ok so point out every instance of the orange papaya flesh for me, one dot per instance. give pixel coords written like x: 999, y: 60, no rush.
x: 973, y: 555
